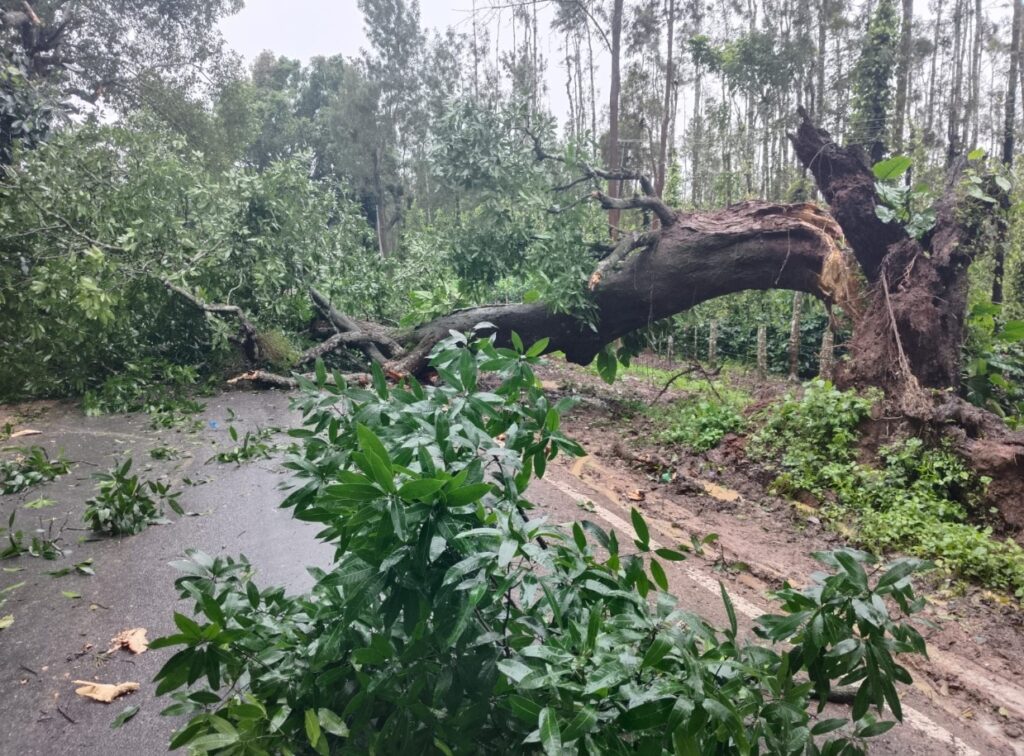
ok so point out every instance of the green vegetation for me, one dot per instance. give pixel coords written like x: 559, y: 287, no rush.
x: 701, y: 422
x: 916, y: 499
x: 126, y: 504
x: 28, y: 467
x: 451, y: 620
x: 253, y: 446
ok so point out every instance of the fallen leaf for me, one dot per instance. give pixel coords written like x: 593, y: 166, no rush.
x: 636, y: 495
x: 134, y: 640
x: 104, y: 692
x: 71, y: 594
x: 26, y: 432
x: 6, y: 621
x: 124, y: 716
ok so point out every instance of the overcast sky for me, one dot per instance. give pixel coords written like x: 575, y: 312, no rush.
x: 305, y: 28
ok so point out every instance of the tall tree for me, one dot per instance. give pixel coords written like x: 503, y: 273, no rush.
x: 1009, y: 135
x: 872, y: 81
x: 614, y: 186
x: 903, y: 73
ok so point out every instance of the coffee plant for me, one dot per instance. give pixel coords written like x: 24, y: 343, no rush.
x: 456, y: 619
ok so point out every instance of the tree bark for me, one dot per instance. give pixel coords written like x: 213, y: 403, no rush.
x: 903, y: 74
x: 614, y: 186
x: 1009, y: 137
x: 794, y: 336
x: 666, y: 114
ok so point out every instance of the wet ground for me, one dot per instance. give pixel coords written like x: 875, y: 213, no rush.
x: 966, y: 700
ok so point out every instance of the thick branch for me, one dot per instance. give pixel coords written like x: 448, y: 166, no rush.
x: 249, y: 340
x: 753, y: 245
x: 665, y: 214
x: 371, y: 337
x: 848, y: 185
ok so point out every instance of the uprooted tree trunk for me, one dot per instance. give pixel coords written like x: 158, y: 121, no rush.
x: 908, y: 334
x: 908, y: 312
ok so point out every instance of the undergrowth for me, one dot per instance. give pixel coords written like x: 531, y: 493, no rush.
x: 917, y: 499
x: 700, y: 423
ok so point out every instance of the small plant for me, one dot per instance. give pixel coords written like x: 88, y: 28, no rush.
x: 29, y: 466
x: 125, y: 504
x: 253, y: 446
x: 701, y: 424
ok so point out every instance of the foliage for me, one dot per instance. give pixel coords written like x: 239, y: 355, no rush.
x: 701, y: 422
x: 28, y: 467
x: 994, y: 362
x: 451, y: 620
x: 872, y: 80
x: 916, y: 499
x: 253, y: 446
x: 92, y: 224
x: 910, y: 206
x: 126, y: 504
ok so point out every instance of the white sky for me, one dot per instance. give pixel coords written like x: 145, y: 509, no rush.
x: 305, y: 28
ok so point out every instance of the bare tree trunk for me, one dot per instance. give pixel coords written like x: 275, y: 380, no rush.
x: 971, y: 117
x: 762, y: 351
x: 1009, y: 136
x: 954, y: 144
x: 794, y: 336
x: 713, y: 344
x: 666, y: 115
x: 826, y: 358
x: 614, y: 186
x: 930, y: 115
x: 903, y: 73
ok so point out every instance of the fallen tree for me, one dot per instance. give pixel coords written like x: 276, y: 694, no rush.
x: 907, y: 306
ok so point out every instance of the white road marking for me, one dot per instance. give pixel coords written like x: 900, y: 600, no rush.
x: 916, y: 719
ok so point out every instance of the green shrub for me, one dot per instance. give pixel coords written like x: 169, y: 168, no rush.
x: 701, y: 424
x: 918, y: 499
x: 126, y: 504
x: 452, y: 621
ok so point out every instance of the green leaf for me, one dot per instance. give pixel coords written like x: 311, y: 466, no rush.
x: 418, y: 490
x: 538, y: 348
x: 607, y: 365
x: 467, y: 494
x: 312, y: 722
x: 124, y: 716
x: 658, y: 573
x: 550, y: 734
x: 875, y: 728
x: 729, y: 610
x: 332, y: 723
x: 643, y: 535
x: 71, y: 594
x: 893, y: 168
x: 826, y: 726
x: 1012, y: 331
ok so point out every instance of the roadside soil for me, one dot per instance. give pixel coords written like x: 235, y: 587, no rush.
x: 967, y: 699
x: 973, y: 682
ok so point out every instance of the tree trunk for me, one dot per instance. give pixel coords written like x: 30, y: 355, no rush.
x: 794, y: 336
x: 826, y: 358
x: 903, y: 73
x: 762, y: 351
x: 713, y: 344
x: 666, y: 114
x: 614, y: 186
x: 1009, y: 136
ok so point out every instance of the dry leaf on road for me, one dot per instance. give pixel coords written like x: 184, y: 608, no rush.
x: 636, y: 495
x: 26, y: 432
x: 134, y: 640
x: 104, y: 692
